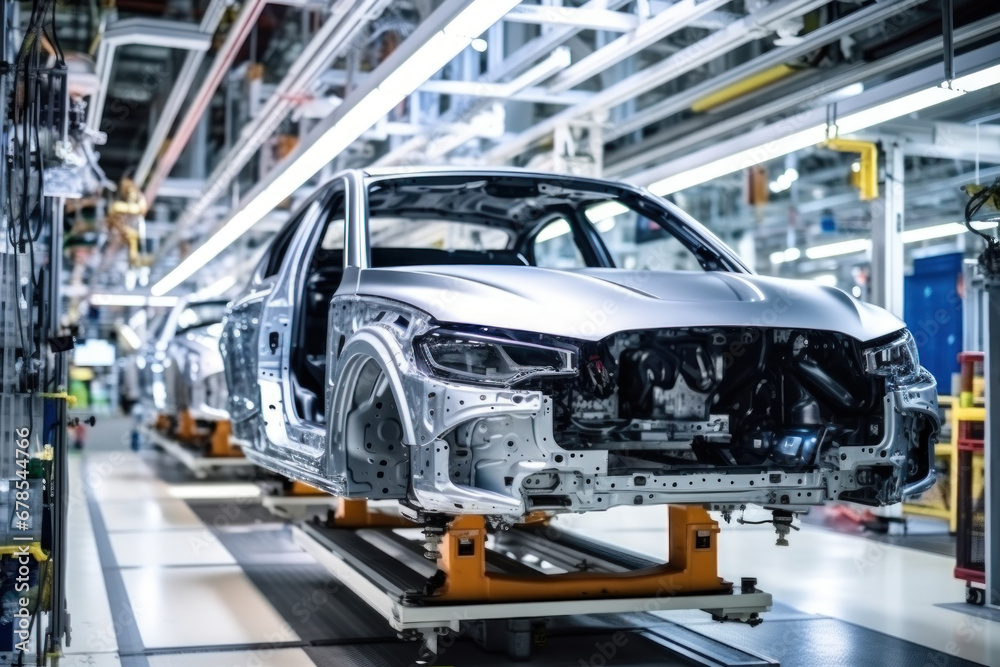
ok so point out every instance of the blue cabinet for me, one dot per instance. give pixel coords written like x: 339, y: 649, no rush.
x: 932, y: 309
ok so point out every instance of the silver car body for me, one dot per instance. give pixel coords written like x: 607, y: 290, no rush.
x: 637, y: 394
x: 180, y: 366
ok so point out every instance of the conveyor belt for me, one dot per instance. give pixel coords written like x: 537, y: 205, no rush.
x: 316, y: 606
x: 344, y: 631
x: 392, y: 573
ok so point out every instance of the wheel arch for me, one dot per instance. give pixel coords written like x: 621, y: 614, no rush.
x: 368, y: 343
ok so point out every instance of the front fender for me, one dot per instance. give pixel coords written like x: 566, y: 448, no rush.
x: 378, y: 345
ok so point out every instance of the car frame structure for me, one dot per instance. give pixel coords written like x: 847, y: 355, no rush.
x: 180, y: 366
x: 474, y: 380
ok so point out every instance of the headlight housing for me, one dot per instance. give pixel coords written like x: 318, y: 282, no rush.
x: 897, y: 359
x: 491, y: 360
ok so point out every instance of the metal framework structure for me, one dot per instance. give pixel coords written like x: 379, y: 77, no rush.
x: 647, y: 91
x: 612, y: 88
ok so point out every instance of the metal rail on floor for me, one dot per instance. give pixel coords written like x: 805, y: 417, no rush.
x: 384, y: 568
x: 200, y: 465
x: 296, y: 508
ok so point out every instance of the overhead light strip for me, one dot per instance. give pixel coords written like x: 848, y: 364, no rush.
x: 397, y: 83
x: 136, y: 300
x: 216, y: 289
x: 811, y: 136
x: 839, y: 248
x: 863, y: 245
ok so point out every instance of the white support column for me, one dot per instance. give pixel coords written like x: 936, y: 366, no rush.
x: 887, y: 252
x: 887, y: 236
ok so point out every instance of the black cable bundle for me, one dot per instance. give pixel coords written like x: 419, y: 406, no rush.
x: 26, y: 214
x: 30, y: 76
x: 32, y: 94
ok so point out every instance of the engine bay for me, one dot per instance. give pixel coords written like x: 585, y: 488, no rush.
x: 676, y: 399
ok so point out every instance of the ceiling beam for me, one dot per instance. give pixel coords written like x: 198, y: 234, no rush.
x: 224, y: 58
x: 771, y: 141
x: 337, y: 34
x: 145, y: 32
x: 650, y: 31
x: 685, y: 137
x: 476, y: 89
x: 781, y: 55
x: 576, y: 17
x: 178, y: 93
x: 745, y: 30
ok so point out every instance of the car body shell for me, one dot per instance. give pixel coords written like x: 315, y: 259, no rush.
x: 376, y: 315
x: 181, y: 368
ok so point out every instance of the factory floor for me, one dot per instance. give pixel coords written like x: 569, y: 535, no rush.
x: 166, y: 570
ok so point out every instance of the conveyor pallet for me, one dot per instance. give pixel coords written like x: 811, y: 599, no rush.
x: 296, y: 508
x: 199, y: 465
x: 383, y: 566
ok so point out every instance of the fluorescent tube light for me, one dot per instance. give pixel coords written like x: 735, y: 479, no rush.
x: 902, y: 106
x: 739, y: 161
x: 554, y: 230
x: 935, y: 232
x: 218, y: 288
x: 605, y: 210
x: 855, y: 122
x: 978, y: 80
x: 839, y: 248
x: 470, y: 23
x: 942, y: 231
x: 129, y: 337
x: 136, y: 300
x: 861, y: 245
x: 475, y: 19
x: 137, y: 320
x: 606, y: 225
x: 784, y: 180
x: 781, y: 256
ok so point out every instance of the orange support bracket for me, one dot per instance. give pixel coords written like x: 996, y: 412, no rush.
x: 162, y: 423
x: 187, y: 427
x: 219, y: 445
x: 297, y: 488
x: 692, y: 569
x: 354, y: 513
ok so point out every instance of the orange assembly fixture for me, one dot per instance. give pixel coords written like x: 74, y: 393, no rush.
x: 187, y: 428
x: 692, y: 569
x: 220, y: 444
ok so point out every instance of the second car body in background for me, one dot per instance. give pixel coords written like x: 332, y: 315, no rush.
x: 180, y: 366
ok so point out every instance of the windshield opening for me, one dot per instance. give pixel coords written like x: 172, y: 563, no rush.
x: 536, y: 220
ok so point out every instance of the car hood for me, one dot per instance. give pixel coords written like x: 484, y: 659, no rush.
x: 591, y: 304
